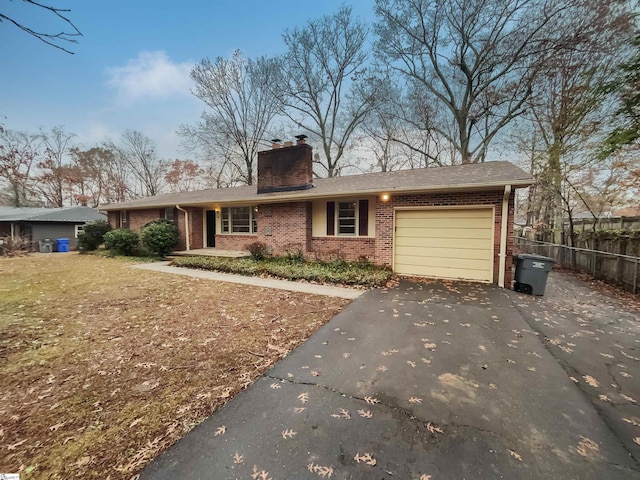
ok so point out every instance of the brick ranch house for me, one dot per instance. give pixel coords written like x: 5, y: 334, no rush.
x: 447, y: 222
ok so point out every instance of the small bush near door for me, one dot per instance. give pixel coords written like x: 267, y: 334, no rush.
x: 92, y: 235
x: 122, y: 241
x: 159, y: 237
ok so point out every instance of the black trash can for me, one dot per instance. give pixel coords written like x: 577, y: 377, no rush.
x: 531, y: 273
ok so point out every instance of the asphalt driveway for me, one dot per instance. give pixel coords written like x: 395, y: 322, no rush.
x: 438, y: 380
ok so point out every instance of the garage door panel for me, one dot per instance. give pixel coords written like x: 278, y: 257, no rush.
x: 469, y: 236
x: 437, y: 272
x: 444, y: 262
x: 437, y: 223
x: 450, y: 213
x: 437, y: 242
x: 447, y: 243
x: 441, y: 252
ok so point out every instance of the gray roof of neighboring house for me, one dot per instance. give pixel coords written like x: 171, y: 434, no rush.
x: 477, y: 176
x: 64, y: 215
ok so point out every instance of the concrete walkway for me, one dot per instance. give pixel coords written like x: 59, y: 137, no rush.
x: 339, y: 292
x: 430, y: 381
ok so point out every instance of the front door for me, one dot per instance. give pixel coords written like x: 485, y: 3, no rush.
x: 211, y: 228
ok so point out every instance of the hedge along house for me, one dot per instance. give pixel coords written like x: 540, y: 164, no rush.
x: 447, y: 222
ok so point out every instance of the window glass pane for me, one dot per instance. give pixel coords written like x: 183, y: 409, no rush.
x: 347, y: 218
x: 240, y: 220
x: 225, y: 220
x: 124, y: 219
x: 168, y: 214
x: 254, y: 220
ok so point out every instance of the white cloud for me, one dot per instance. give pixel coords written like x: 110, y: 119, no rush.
x: 150, y: 75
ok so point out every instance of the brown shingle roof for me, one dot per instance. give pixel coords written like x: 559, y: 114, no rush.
x: 477, y: 176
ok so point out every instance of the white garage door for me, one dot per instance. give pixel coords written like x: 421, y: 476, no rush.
x: 445, y: 243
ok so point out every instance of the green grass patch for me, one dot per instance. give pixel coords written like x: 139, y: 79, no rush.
x: 338, y: 272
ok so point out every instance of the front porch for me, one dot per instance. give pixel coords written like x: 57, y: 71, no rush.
x: 211, y: 252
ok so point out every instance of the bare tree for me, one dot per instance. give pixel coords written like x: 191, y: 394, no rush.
x: 138, y: 152
x: 53, y: 39
x: 184, y: 175
x: 322, y: 82
x: 52, y: 181
x: 566, y: 107
x: 474, y: 60
x: 97, y: 177
x: 18, y: 154
x: 241, y: 108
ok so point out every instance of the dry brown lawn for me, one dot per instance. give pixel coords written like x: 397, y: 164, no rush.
x: 103, y: 366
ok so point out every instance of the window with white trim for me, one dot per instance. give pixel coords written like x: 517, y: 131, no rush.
x: 79, y: 229
x: 348, y: 218
x: 243, y: 220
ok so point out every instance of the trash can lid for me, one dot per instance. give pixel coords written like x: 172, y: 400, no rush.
x: 63, y: 239
x: 533, y: 256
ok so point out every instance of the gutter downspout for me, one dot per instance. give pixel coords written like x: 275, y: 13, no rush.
x: 503, y: 235
x: 186, y: 226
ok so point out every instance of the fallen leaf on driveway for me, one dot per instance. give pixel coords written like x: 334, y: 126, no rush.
x: 515, y: 455
x: 415, y: 400
x: 591, y: 381
x: 221, y: 430
x: 587, y: 447
x: 324, y: 472
x: 366, y: 458
x: 434, y: 428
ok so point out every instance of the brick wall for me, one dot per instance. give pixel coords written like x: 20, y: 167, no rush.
x: 385, y: 226
x: 195, y: 228
x: 235, y: 242
x: 349, y: 248
x: 138, y: 218
x: 112, y: 218
x: 285, y: 168
x: 285, y: 227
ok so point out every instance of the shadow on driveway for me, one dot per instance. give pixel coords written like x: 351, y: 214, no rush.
x: 438, y: 380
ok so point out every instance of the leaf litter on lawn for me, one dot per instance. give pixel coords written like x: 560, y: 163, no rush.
x: 102, y: 367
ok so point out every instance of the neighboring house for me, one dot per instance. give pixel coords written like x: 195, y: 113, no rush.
x: 41, y: 223
x: 448, y: 222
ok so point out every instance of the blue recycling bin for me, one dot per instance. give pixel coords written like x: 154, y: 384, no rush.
x: 63, y: 244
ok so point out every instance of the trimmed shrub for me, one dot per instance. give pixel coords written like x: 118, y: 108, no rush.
x: 92, y: 236
x: 258, y: 250
x: 122, y: 241
x: 159, y: 237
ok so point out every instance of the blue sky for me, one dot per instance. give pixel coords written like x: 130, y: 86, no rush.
x: 131, y: 68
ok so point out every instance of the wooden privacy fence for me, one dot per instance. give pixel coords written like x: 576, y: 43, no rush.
x: 613, y: 268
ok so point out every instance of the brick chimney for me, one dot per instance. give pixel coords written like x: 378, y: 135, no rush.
x: 284, y: 169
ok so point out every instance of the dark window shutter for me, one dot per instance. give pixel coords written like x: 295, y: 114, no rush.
x: 118, y: 221
x: 331, y: 218
x: 363, y: 218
